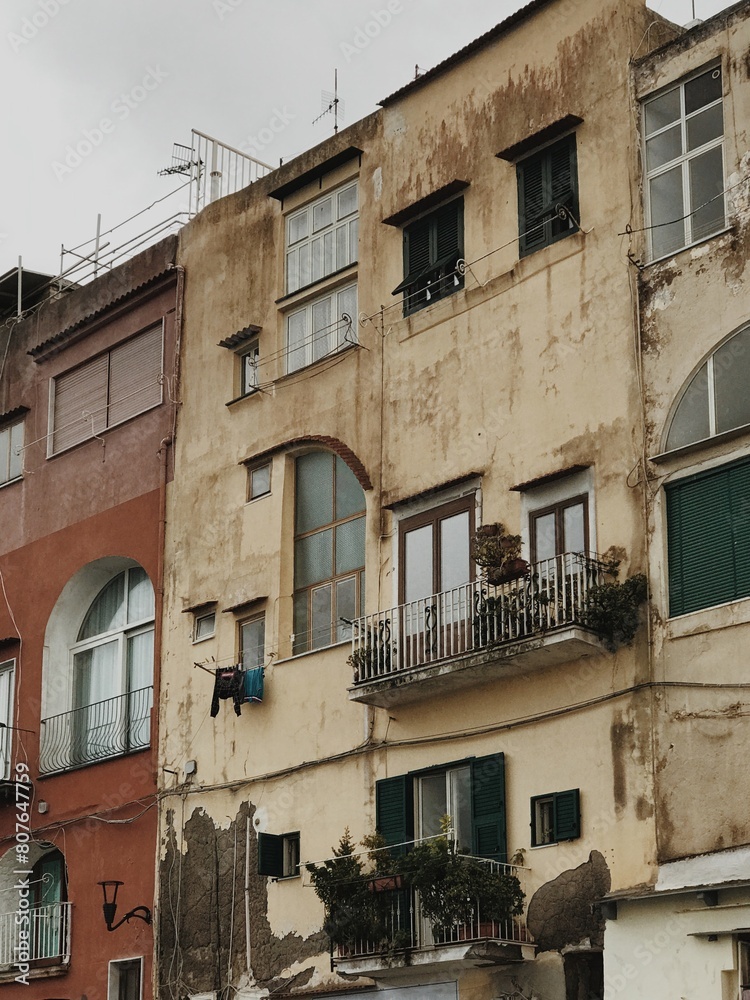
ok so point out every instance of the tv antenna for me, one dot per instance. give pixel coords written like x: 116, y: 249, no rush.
x: 330, y: 103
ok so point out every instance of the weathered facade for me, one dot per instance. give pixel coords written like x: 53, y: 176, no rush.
x: 686, y: 933
x: 423, y: 327
x: 85, y: 427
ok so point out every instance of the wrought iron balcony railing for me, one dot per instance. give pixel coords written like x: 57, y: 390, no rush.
x: 551, y: 594
x: 406, y: 928
x: 107, y: 728
x: 47, y: 935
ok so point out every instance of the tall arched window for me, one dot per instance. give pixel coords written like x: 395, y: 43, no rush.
x: 329, y: 550
x: 715, y: 400
x: 111, y: 666
x: 113, y: 663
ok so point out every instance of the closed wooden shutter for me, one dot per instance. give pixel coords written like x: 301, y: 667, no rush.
x: 80, y: 404
x: 708, y: 539
x: 134, y: 381
x: 394, y: 810
x: 488, y: 807
x: 531, y: 203
x: 546, y: 181
x: 567, y: 814
x: 270, y: 855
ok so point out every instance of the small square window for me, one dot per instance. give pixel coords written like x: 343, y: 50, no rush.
x: 555, y: 817
x: 259, y: 481
x: 205, y: 626
x: 252, y: 642
x: 278, y: 856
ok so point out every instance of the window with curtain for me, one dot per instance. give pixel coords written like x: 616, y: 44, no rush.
x: 113, y: 662
x: 329, y: 550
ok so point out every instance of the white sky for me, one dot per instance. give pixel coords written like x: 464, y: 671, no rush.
x: 231, y: 68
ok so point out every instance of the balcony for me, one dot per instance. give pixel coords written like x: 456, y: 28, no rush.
x: 47, y: 947
x: 476, y: 632
x: 96, y: 732
x: 411, y: 942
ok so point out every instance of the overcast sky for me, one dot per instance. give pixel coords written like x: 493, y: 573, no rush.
x: 121, y: 80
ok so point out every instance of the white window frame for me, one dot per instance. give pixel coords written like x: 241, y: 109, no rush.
x: 312, y: 345
x: 683, y: 161
x: 204, y: 617
x: 113, y: 979
x: 11, y: 451
x: 7, y: 670
x: 256, y: 619
x: 322, y: 238
x: 251, y: 490
x: 453, y: 773
x: 250, y: 362
x: 91, y: 423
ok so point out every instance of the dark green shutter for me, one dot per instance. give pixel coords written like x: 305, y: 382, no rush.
x: 545, y: 181
x: 394, y: 810
x: 567, y: 814
x: 270, y: 855
x: 417, y: 248
x: 708, y: 539
x: 488, y: 807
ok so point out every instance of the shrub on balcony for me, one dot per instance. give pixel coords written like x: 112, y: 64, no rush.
x: 613, y: 609
x: 455, y: 889
x: 497, y: 552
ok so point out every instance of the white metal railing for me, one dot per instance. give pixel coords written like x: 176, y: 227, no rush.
x: 404, y: 927
x: 48, y: 930
x: 217, y: 169
x: 551, y: 594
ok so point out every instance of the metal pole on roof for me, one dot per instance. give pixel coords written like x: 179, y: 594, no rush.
x: 96, y: 244
x: 20, y: 285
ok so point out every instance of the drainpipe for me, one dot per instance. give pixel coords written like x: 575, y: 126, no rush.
x: 247, y: 898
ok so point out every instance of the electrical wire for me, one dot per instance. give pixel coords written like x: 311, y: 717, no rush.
x: 658, y: 225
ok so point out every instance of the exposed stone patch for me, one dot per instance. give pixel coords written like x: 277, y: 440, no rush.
x: 202, y: 896
x: 560, y: 912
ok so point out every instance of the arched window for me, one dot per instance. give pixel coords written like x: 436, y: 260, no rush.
x: 45, y: 923
x: 329, y: 550
x: 715, y: 400
x: 111, y: 673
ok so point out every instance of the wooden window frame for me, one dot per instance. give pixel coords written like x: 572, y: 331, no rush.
x: 558, y: 509
x: 434, y: 515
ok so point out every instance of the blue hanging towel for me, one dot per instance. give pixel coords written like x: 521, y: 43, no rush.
x: 254, y: 684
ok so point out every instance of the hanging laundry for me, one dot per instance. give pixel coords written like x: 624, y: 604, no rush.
x: 228, y: 683
x: 254, y: 684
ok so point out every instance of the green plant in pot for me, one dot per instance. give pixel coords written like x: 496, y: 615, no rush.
x: 455, y: 889
x: 612, y: 609
x: 498, y: 552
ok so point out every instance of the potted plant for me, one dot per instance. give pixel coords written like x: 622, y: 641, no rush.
x: 455, y: 889
x: 612, y: 609
x: 498, y: 552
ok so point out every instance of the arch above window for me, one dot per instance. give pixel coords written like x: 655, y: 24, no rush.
x: 714, y: 400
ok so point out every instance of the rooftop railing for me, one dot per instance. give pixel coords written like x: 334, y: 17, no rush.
x: 107, y: 728
x: 551, y: 594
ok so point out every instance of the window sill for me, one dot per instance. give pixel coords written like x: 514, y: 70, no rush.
x: 245, y: 395
x: 313, y: 652
x: 316, y: 288
x: 333, y: 355
x: 9, y: 482
x: 702, y: 445
x: 728, y: 229
x: 705, y: 620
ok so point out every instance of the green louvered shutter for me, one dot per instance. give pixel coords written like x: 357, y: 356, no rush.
x: 394, y: 810
x: 708, y: 539
x: 270, y: 855
x: 531, y: 205
x: 567, y: 815
x: 545, y: 181
x: 740, y: 493
x: 488, y: 807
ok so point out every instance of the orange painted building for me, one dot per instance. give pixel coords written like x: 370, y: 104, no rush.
x: 87, y: 377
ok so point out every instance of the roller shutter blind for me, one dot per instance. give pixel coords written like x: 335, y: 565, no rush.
x: 708, y: 539
x: 107, y: 390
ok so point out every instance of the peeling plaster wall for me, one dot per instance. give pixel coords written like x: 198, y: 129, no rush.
x: 527, y: 370
x: 690, y: 303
